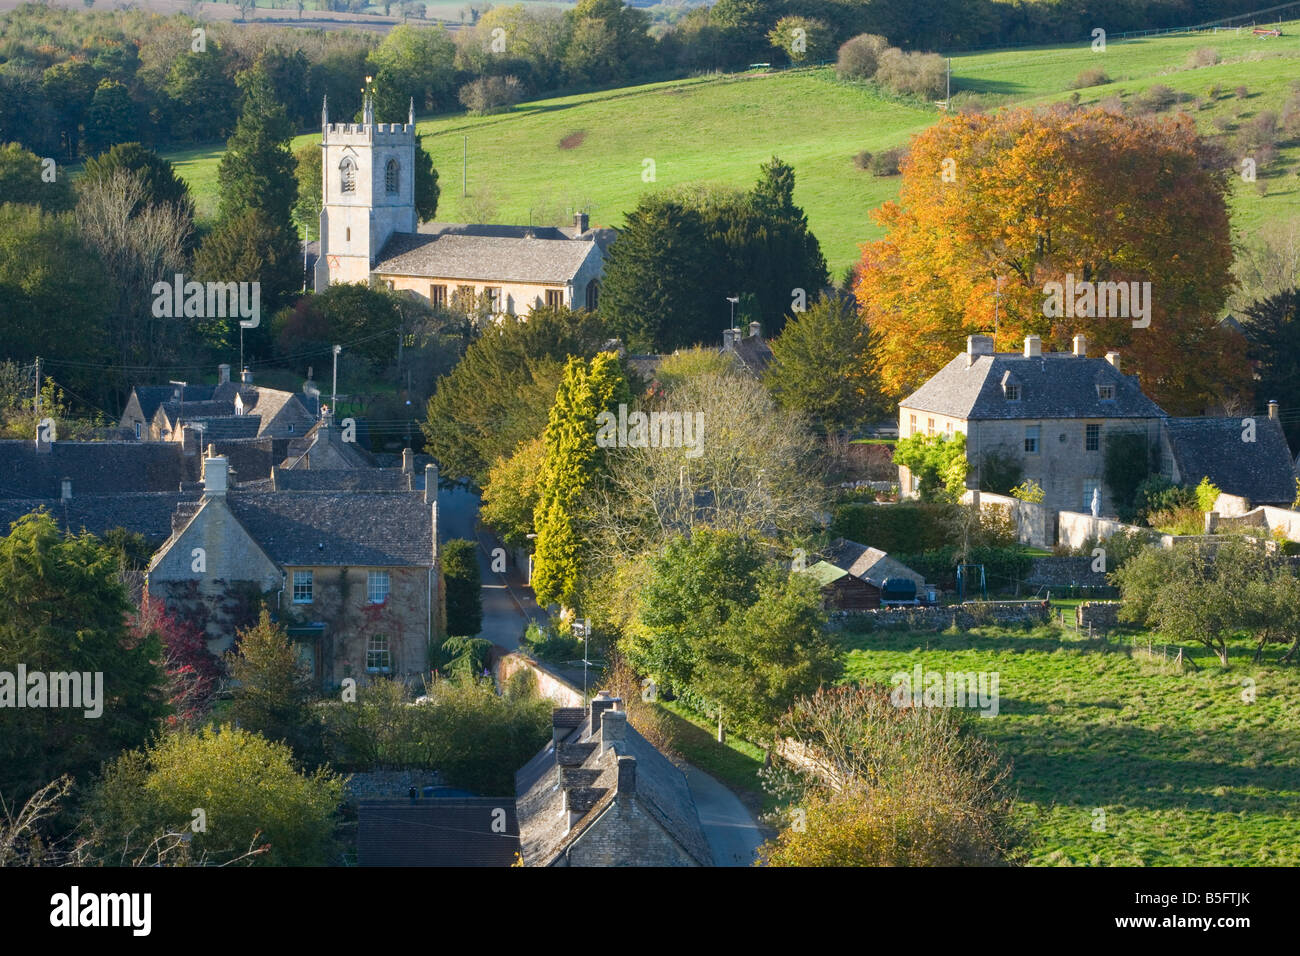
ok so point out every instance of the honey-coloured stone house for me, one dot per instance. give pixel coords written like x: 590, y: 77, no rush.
x: 353, y: 574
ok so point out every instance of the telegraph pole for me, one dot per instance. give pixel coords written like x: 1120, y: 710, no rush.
x: 36, y: 404
x: 464, y: 171
x: 334, y: 390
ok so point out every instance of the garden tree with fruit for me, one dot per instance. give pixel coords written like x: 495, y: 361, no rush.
x: 822, y: 366
x: 1195, y: 594
x: 900, y: 786
x: 65, y: 610
x: 573, y: 464
x: 1030, y: 196
x: 938, y: 462
x: 501, y: 392
x: 248, y: 788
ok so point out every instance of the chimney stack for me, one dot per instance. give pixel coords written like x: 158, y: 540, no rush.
x: 729, y: 337
x: 1033, y: 346
x: 613, y: 726
x: 247, y: 377
x: 977, y: 345
x: 189, y: 440
x: 580, y: 222
x: 1273, y: 409
x: 626, y: 786
x: 430, y: 484
x: 65, y: 490
x: 599, y: 704
x: 214, y: 475
x: 223, y: 373
x: 755, y: 330
x: 408, y: 461
x: 1113, y: 359
x: 1081, y: 346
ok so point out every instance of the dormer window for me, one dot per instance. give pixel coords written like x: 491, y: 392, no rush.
x: 1013, y: 392
x: 1106, y: 393
x: 348, y: 174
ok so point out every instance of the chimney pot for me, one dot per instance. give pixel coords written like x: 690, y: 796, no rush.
x: 977, y: 345
x: 755, y: 330
x: 580, y: 222
x: 65, y: 491
x: 1033, y: 346
x: 1081, y: 346
x: 599, y: 704
x: 1272, y: 408
x: 214, y: 474
x: 247, y: 377
x: 223, y: 373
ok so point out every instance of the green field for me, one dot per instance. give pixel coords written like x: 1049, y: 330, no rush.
x: 1186, y: 772
x: 717, y: 129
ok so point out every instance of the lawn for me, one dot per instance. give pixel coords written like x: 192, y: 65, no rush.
x: 718, y: 129
x: 735, y: 763
x: 1184, y: 770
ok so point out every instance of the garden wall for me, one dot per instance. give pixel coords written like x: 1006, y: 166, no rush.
x: 971, y: 614
x: 1103, y: 615
x: 1265, y: 516
x: 1065, y: 571
x: 1035, y: 522
x: 549, y: 684
x: 1073, y: 528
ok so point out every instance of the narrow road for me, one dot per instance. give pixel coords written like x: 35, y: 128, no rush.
x: 732, y: 834
x: 508, y: 605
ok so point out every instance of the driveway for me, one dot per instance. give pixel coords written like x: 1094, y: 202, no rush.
x: 732, y: 834
x: 508, y: 604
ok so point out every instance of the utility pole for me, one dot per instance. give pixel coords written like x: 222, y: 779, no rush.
x: 36, y: 404
x: 334, y: 390
x: 947, y: 97
x: 464, y: 171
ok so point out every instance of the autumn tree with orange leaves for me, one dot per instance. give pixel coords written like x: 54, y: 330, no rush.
x: 1027, y: 197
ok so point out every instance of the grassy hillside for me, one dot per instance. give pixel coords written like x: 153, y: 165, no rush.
x: 1186, y: 772
x: 546, y: 157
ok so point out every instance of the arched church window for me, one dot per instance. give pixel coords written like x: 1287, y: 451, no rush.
x: 391, y: 177
x: 348, y: 170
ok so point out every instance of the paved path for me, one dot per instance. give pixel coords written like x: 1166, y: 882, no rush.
x: 732, y: 834
x: 508, y: 605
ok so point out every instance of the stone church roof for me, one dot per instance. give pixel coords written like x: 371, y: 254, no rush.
x: 485, y: 258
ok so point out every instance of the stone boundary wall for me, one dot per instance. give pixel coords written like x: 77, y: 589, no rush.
x: 968, y: 615
x: 1065, y: 571
x: 1036, y: 523
x: 549, y: 684
x: 1265, y: 516
x: 389, y: 784
x: 1098, y: 614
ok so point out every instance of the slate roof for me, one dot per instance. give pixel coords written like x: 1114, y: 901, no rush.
x: 660, y: 788
x: 753, y: 352
x: 1052, y: 385
x: 149, y: 397
x: 442, y: 831
x: 870, y: 564
x: 96, y: 468
x: 1262, y: 470
x: 220, y: 429
x: 267, y: 402
x: 146, y: 513
x: 343, y: 479
x: 191, y: 410
x: 481, y: 258
x: 251, y: 459
x: 374, y: 529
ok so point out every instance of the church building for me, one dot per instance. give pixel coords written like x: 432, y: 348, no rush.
x: 370, y: 233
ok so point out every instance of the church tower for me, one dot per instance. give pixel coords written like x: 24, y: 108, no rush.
x: 368, y: 186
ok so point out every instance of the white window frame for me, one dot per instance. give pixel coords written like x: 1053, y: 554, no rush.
x: 374, y: 578
x: 379, y: 644
x: 1013, y: 392
x: 303, y: 581
x: 1087, y: 429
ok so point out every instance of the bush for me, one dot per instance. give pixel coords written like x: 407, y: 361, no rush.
x: 999, y: 472
x: 1030, y: 491
x: 1159, y: 494
x: 1202, y: 56
x: 1180, y: 520
x: 862, y: 160
x: 1155, y: 99
x: 915, y: 74
x: 1087, y: 78
x: 1241, y: 92
x: 859, y: 56
x: 1206, y: 494
x: 907, y: 526
x: 549, y: 643
x: 464, y: 584
x: 490, y: 94
x: 887, y: 163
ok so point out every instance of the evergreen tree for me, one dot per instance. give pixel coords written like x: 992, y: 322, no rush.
x: 256, y: 170
x: 21, y: 181
x: 464, y: 583
x: 573, y: 464
x: 272, y: 689
x: 111, y: 117
x: 157, y: 176
x: 65, y: 610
